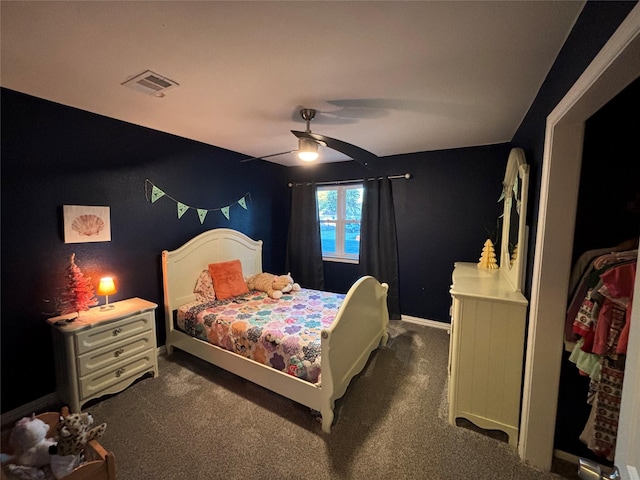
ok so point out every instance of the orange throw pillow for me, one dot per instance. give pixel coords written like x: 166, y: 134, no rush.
x: 227, y: 279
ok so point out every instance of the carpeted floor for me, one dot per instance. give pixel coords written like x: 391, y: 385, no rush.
x: 196, y: 421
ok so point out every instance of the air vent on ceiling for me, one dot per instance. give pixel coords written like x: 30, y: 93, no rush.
x: 150, y: 83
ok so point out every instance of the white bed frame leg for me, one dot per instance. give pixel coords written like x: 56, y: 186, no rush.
x: 327, y: 417
x: 384, y: 339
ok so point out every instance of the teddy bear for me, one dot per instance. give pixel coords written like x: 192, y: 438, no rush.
x: 30, y: 443
x: 273, y: 285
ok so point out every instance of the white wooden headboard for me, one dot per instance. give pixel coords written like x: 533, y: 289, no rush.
x: 181, y: 267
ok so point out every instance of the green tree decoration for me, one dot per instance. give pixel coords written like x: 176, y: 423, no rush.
x: 488, y: 258
x: 78, y: 294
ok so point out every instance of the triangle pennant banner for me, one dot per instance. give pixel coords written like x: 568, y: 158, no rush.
x: 181, y: 209
x: 156, y: 193
x: 201, y: 214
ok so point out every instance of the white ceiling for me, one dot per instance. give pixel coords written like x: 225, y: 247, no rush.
x: 391, y: 77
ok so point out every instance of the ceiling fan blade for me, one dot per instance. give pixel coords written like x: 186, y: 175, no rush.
x: 358, y: 154
x: 266, y: 156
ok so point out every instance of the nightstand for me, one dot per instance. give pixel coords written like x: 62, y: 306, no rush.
x: 104, y: 351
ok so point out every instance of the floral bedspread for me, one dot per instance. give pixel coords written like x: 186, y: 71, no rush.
x: 283, y: 334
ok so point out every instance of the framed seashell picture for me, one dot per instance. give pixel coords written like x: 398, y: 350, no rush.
x: 86, y: 224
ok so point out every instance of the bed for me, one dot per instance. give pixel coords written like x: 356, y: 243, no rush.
x: 345, y: 343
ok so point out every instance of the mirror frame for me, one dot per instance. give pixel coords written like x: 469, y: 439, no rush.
x: 517, y: 168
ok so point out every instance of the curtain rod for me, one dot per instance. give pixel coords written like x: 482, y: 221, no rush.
x: 338, y: 182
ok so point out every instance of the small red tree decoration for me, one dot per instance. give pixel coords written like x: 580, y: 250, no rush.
x: 78, y: 294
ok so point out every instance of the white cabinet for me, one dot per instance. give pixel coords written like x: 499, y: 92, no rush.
x: 486, y: 350
x: 104, y: 351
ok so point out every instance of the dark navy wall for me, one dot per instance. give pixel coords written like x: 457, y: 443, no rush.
x: 595, y: 25
x: 54, y: 155
x: 444, y: 214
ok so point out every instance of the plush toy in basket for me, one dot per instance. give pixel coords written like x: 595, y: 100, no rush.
x: 75, y: 431
x: 35, y: 456
x: 30, y: 446
x: 273, y: 285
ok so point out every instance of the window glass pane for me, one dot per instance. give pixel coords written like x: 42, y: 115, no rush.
x: 327, y: 204
x: 328, y: 237
x: 352, y: 239
x: 353, y: 204
x: 340, y: 211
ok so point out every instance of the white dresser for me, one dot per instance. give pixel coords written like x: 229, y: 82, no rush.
x: 488, y: 321
x: 104, y: 351
x: 486, y: 350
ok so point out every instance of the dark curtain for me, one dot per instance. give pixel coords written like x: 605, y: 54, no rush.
x: 304, y: 249
x: 378, y: 242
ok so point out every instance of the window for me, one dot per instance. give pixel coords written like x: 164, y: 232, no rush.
x: 340, y: 212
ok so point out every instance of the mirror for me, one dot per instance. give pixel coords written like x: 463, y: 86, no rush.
x: 514, y: 222
x: 515, y: 186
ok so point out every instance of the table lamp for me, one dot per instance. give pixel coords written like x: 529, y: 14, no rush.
x: 106, y: 287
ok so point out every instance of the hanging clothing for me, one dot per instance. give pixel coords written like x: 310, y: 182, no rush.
x: 580, y: 313
x: 600, y: 432
x: 600, y: 318
x: 585, y: 275
x: 618, y: 289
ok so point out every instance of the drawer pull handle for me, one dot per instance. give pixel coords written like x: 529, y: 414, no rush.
x: 116, y: 331
x: 119, y: 372
x: 119, y: 352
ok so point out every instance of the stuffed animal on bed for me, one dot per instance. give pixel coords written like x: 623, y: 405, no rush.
x: 273, y: 285
x: 291, y: 285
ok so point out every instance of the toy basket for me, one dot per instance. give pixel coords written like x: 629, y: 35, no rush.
x: 98, y: 465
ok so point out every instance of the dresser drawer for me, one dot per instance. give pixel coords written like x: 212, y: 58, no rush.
x: 116, y: 373
x: 108, y: 355
x: 108, y: 334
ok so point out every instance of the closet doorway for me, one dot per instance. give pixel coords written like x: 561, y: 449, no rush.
x: 608, y: 217
x: 615, y: 67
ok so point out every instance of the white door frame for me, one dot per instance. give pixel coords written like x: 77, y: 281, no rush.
x: 615, y: 67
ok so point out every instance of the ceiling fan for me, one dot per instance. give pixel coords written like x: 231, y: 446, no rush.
x: 308, y: 144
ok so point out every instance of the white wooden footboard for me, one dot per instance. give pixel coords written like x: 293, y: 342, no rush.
x: 359, y: 327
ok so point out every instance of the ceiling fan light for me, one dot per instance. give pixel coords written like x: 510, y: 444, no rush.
x: 307, y: 150
x: 308, y: 156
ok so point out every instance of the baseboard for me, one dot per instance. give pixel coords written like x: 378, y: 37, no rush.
x: 426, y: 322
x: 42, y: 404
